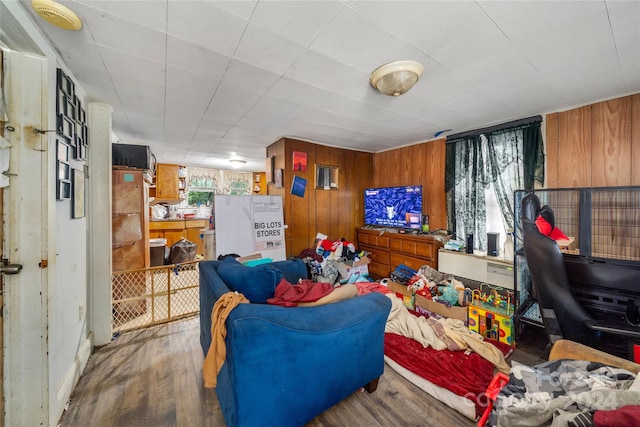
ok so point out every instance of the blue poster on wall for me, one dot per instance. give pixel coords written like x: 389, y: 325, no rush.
x: 298, y: 186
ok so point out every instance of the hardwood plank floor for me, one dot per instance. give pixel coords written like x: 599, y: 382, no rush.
x: 153, y: 377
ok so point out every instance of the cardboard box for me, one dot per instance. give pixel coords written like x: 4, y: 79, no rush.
x: 403, y: 293
x: 454, y: 312
x: 489, y: 324
x: 362, y: 270
x: 362, y: 261
x: 251, y: 257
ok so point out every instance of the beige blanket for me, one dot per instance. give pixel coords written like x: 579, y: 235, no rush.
x: 217, y: 352
x: 440, y: 334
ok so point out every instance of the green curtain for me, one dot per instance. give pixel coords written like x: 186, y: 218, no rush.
x: 465, y: 184
x: 533, y: 157
x: 510, y: 159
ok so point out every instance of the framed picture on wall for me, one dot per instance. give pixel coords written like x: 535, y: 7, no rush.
x: 277, y: 179
x: 77, y: 207
x: 63, y: 189
x: 299, y: 161
x: 271, y: 161
x: 298, y: 186
x: 66, y: 129
x: 62, y: 151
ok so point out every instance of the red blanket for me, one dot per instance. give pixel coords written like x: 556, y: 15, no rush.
x: 466, y: 375
x: 288, y: 295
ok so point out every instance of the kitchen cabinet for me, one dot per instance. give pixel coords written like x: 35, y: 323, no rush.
x: 174, y: 230
x: 170, y: 184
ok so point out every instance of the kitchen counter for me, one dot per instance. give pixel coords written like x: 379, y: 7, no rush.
x: 178, y: 219
x: 179, y: 228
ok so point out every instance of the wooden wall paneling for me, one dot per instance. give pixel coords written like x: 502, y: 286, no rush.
x: 347, y: 186
x: 386, y: 169
x: 552, y: 123
x: 421, y: 164
x: 611, y: 143
x: 311, y: 194
x: 301, y: 226
x: 574, y: 150
x: 433, y: 183
x: 365, y: 179
x: 327, y: 207
x: 336, y: 158
x: 635, y: 139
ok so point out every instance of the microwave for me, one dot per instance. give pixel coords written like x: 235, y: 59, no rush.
x: 133, y: 156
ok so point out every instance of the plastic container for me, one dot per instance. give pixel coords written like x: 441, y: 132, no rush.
x: 156, y: 249
x: 508, y: 246
x: 209, y: 237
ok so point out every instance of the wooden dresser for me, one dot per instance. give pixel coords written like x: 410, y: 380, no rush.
x: 389, y: 249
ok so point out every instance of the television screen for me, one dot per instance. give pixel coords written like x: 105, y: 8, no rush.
x: 393, y: 206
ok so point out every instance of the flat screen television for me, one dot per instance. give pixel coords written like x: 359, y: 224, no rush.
x: 393, y: 206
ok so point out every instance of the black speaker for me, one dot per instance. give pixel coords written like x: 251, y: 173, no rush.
x: 492, y: 244
x: 469, y: 243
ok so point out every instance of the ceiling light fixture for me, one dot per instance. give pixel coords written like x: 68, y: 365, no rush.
x: 57, y: 14
x: 396, y: 78
x: 237, y: 163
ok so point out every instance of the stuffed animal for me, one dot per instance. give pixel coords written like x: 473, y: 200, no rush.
x: 447, y: 294
x: 420, y: 285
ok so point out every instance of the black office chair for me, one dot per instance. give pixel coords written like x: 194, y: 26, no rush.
x: 563, y: 316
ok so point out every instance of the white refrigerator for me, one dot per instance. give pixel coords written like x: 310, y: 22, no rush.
x: 246, y: 225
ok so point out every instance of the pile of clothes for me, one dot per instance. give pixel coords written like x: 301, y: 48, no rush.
x: 330, y: 261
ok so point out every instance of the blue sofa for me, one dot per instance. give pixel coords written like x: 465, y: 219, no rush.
x: 285, y: 366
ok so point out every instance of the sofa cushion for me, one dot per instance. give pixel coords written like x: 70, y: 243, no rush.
x: 257, y: 284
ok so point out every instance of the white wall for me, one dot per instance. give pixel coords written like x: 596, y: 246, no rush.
x: 66, y: 336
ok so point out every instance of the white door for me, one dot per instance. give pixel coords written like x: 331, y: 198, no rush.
x: 25, y: 218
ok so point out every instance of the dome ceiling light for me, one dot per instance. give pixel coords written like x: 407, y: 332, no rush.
x: 57, y: 14
x: 396, y: 78
x: 237, y: 163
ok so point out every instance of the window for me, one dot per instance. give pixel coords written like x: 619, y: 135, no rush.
x: 483, y: 169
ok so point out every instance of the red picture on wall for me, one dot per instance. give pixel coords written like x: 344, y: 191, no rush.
x: 299, y: 161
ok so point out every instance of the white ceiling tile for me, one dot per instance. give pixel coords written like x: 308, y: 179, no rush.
x: 147, y: 13
x: 250, y: 77
x: 195, y: 58
x: 134, y: 68
x: 243, y: 9
x: 234, y: 100
x: 118, y: 34
x: 356, y: 41
x: 300, y: 21
x: 319, y: 71
x: 206, y: 25
x: 266, y: 50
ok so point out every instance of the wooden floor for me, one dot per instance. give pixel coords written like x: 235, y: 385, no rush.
x: 153, y: 377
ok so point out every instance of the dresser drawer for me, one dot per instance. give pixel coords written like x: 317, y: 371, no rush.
x: 373, y: 240
x: 377, y: 270
x: 376, y: 255
x: 424, y: 250
x: 412, y: 262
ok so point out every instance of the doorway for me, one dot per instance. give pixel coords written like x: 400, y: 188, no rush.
x: 24, y: 241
